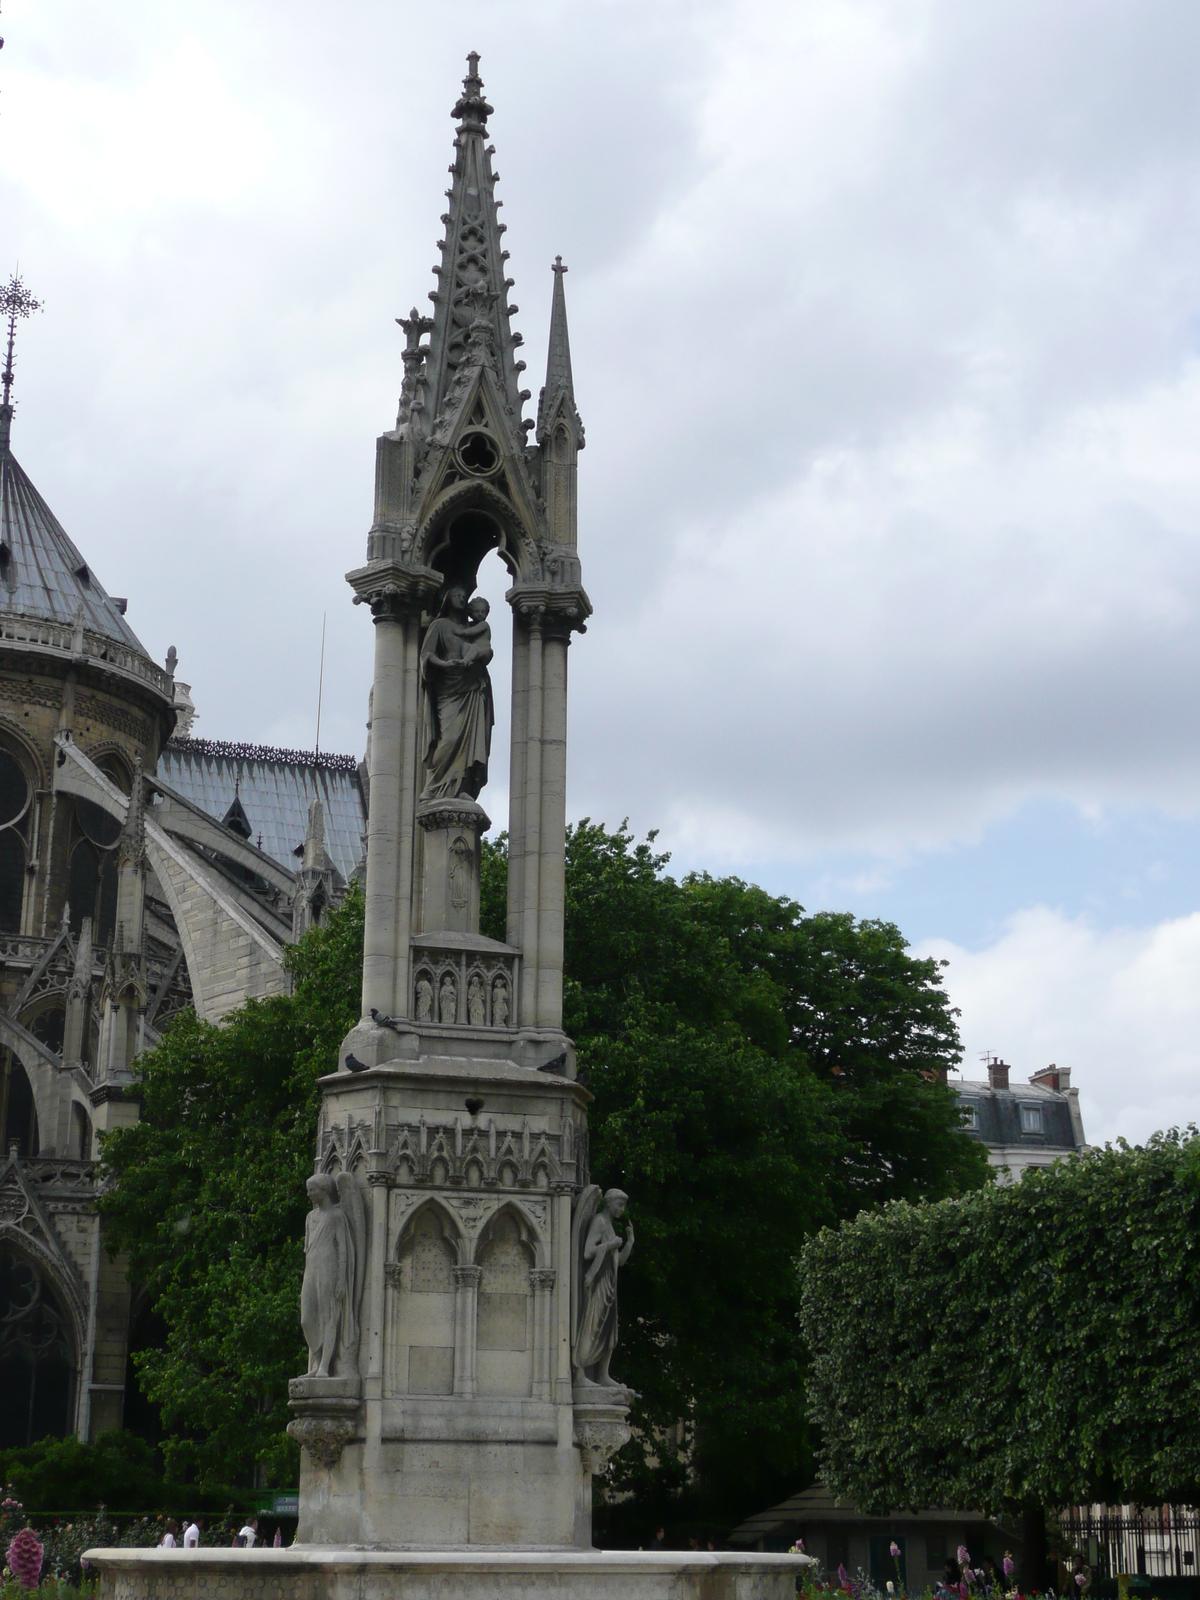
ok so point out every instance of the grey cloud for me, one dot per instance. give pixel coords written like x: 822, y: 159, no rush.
x: 856, y: 582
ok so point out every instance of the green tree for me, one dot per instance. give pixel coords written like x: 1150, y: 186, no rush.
x: 757, y: 1072
x: 207, y: 1202
x: 1028, y: 1346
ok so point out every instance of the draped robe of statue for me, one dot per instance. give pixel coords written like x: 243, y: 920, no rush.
x: 334, y: 1264
x: 458, y: 706
x: 603, y: 1254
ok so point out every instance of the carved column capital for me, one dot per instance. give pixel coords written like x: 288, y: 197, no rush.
x: 543, y: 1277
x: 467, y: 1277
x: 394, y: 591
x: 556, y: 612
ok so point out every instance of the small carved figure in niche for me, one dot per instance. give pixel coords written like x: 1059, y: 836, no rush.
x: 475, y: 1001
x: 458, y: 698
x: 335, y: 1263
x: 599, y: 1253
x: 424, y: 999
x: 448, y: 1000
x: 459, y: 866
x: 499, y: 1003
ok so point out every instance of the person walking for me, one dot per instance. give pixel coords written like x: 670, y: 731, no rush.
x: 248, y: 1533
x: 169, y: 1539
x: 191, y: 1534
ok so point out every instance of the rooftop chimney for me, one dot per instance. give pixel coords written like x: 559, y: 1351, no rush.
x: 997, y: 1073
x: 1052, y: 1077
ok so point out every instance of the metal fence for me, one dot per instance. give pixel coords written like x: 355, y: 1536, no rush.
x: 1156, y: 1541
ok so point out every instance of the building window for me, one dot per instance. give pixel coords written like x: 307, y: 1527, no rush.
x: 970, y: 1117
x: 15, y: 795
x: 18, y: 1114
x: 92, y: 887
x: 1031, y: 1119
x: 37, y: 1361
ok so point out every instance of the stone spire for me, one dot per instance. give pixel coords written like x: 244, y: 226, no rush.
x: 472, y: 288
x: 558, y: 395
x: 560, y: 433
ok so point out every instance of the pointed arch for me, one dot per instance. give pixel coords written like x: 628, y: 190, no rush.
x: 514, y: 543
x: 531, y: 1232
x: 41, y: 1068
x: 451, y: 1228
x: 39, y: 1373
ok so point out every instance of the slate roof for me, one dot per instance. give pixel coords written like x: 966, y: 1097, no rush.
x: 998, y: 1115
x: 43, y: 574
x: 275, y: 788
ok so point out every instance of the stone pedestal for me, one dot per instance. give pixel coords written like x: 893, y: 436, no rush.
x: 470, y: 1431
x: 349, y: 1574
x: 327, y: 1415
x: 450, y: 834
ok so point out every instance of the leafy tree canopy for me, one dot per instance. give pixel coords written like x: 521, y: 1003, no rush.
x: 208, y: 1204
x: 757, y: 1072
x: 1036, y: 1344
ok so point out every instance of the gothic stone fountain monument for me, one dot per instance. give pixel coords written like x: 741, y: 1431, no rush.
x: 460, y: 1290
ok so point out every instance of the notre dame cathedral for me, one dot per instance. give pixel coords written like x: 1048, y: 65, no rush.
x: 141, y: 871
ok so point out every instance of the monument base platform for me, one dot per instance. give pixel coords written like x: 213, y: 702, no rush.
x: 318, y: 1572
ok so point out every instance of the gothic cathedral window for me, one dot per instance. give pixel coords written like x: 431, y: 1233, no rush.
x: 16, y: 793
x: 92, y: 888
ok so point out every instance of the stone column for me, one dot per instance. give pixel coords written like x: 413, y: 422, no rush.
x: 516, y: 785
x: 375, y: 1296
x: 560, y: 1365
x: 552, y: 845
x: 466, y: 1306
x: 384, y: 903
x: 543, y: 1280
x: 531, y: 831
x: 397, y: 597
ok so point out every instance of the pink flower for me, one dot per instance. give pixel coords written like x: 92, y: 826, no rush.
x: 895, y: 1549
x: 964, y: 1556
x: 25, y: 1558
x: 1081, y: 1578
x: 1010, y: 1566
x: 843, y: 1577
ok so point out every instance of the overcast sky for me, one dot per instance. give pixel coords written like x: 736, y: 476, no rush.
x: 885, y: 322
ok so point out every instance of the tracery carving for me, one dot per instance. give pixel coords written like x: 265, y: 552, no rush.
x: 484, y: 1157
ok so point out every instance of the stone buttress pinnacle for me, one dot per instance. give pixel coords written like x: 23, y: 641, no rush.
x: 558, y: 395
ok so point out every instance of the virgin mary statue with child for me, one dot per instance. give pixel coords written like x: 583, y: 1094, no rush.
x: 458, y: 698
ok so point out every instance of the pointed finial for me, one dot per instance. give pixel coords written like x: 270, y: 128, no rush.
x: 558, y: 268
x: 471, y: 109
x: 15, y: 301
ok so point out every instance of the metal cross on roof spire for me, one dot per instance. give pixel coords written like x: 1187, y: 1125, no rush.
x: 15, y: 301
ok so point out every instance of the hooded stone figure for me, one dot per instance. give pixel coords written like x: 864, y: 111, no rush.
x: 458, y: 701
